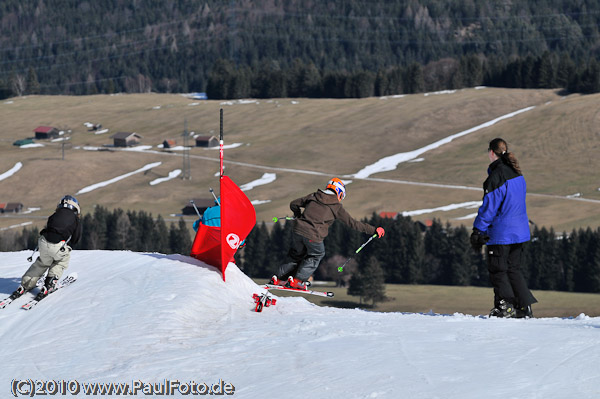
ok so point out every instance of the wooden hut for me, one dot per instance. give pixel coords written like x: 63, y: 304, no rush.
x: 45, y: 132
x: 206, y: 141
x: 126, y: 139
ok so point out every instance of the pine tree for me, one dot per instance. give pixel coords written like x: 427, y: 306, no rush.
x: 160, y: 236
x: 180, y: 241
x: 369, y: 283
x: 32, y: 84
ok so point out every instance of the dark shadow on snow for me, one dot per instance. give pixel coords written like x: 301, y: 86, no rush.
x: 8, y: 285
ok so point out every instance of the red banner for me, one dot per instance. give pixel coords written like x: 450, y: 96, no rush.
x: 216, y: 246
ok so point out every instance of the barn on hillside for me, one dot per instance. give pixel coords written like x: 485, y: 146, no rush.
x: 125, y: 139
x: 11, y: 207
x: 201, y: 204
x: 206, y: 141
x: 45, y: 132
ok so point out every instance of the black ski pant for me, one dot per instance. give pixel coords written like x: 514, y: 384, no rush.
x: 504, y: 266
x: 306, y: 256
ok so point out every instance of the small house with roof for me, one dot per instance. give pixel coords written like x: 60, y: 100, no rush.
x: 206, y: 141
x: 125, y: 139
x: 11, y: 207
x: 45, y: 132
x: 201, y: 204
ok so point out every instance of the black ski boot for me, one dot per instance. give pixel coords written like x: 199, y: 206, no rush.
x: 524, y: 312
x: 18, y: 292
x: 48, y: 287
x: 503, y: 309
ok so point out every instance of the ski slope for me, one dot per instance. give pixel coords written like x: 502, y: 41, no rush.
x: 152, y: 321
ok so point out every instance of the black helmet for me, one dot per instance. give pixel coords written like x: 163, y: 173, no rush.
x: 70, y: 202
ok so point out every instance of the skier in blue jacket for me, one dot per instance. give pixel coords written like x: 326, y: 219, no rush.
x: 502, y: 224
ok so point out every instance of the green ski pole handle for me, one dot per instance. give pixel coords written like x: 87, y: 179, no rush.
x: 276, y: 219
x: 341, y: 268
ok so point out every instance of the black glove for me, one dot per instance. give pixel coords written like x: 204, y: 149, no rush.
x: 478, y: 239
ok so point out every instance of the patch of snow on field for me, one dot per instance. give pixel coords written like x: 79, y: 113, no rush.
x: 11, y: 171
x: 265, y: 179
x: 116, y: 179
x: 137, y: 148
x: 226, y: 147
x: 171, y: 176
x: 394, y: 96
x: 29, y: 210
x: 14, y: 226
x: 391, y: 162
x: 469, y: 216
x: 33, y: 145
x: 440, y: 92
x: 446, y: 208
x: 260, y: 202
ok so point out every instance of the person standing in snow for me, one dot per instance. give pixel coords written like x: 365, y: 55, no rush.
x: 62, y: 228
x: 502, y: 224
x: 311, y: 226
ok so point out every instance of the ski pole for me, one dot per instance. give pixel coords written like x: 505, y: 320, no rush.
x: 341, y: 268
x: 194, y: 205
x: 276, y: 219
x: 31, y: 257
x: 216, y: 199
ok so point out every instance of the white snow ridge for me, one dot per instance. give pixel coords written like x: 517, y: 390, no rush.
x: 146, y: 321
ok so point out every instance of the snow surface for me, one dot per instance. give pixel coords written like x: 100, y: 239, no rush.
x: 14, y: 226
x: 445, y: 208
x: 173, y: 174
x: 150, y: 317
x: 11, y: 171
x: 391, y: 162
x: 266, y: 178
x: 118, y: 178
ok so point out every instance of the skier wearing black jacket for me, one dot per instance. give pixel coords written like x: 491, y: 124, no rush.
x: 63, y: 228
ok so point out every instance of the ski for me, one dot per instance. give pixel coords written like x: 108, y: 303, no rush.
x: 8, y: 300
x: 311, y: 292
x: 263, y: 300
x: 5, y: 302
x: 65, y: 282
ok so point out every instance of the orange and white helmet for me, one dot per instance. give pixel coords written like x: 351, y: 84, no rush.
x: 338, y: 187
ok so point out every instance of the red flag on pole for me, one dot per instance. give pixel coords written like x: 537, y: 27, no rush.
x: 217, y: 245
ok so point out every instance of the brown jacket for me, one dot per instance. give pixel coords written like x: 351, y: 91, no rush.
x: 320, y: 211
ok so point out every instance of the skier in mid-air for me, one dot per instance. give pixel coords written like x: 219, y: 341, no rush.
x: 63, y: 229
x: 311, y: 226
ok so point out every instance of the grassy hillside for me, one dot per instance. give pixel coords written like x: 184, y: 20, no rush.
x: 556, y: 143
x: 446, y: 299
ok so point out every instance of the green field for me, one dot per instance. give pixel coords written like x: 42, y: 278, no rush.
x: 449, y: 300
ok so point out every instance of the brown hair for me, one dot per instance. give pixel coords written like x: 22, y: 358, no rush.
x: 500, y: 148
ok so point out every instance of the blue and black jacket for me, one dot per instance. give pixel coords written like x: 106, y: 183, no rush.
x: 503, y: 214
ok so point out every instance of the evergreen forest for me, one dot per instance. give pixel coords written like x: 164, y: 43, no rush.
x: 294, y: 48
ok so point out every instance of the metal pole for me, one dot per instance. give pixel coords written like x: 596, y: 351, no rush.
x: 221, y: 142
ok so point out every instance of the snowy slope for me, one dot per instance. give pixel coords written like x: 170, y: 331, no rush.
x: 152, y: 319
